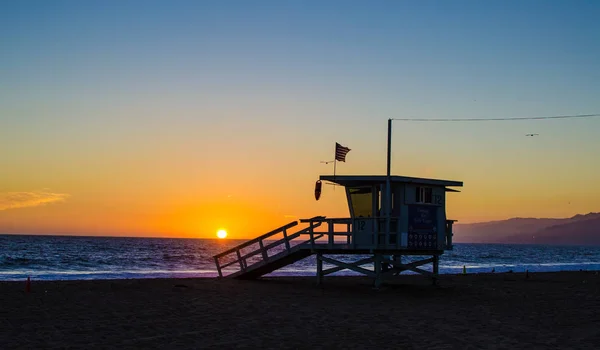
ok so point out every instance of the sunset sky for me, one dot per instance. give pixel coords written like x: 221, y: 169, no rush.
x: 177, y: 118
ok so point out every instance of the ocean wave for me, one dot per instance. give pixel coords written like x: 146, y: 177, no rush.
x: 101, y: 258
x: 8, y: 261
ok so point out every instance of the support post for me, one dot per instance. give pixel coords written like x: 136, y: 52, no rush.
x: 436, y: 268
x: 263, y: 251
x: 330, y: 228
x: 319, y: 269
x: 377, y: 283
x: 312, y: 236
x: 349, y: 231
x: 449, y: 234
x: 397, y: 259
x: 239, y: 256
x: 218, y: 267
x: 287, y: 242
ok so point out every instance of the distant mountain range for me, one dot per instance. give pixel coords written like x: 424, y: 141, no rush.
x: 577, y: 230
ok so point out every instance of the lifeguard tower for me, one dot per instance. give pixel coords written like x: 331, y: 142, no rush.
x: 391, y: 217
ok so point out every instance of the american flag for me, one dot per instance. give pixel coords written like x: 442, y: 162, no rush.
x: 340, y: 152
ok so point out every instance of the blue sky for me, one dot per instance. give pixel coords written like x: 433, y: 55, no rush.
x: 398, y: 57
x: 384, y: 51
x: 188, y: 84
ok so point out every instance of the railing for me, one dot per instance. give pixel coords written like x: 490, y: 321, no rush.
x: 331, y: 233
x: 359, y: 233
x: 363, y: 232
x: 449, y: 234
x: 371, y: 233
x: 241, y: 257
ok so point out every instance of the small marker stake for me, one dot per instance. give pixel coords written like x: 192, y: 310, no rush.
x: 464, y: 269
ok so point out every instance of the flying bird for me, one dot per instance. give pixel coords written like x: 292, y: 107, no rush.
x: 532, y: 135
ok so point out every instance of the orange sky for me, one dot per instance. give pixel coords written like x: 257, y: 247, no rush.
x: 176, y: 197
x: 176, y: 121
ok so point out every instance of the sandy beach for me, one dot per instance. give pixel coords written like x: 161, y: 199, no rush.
x: 491, y: 311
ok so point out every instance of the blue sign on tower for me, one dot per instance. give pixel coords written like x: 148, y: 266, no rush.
x: 422, y: 226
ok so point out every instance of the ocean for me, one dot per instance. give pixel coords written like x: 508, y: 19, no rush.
x: 70, y: 258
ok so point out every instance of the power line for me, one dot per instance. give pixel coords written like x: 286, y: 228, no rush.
x: 495, y: 119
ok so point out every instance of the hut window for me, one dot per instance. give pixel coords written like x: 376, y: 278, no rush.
x: 361, y: 201
x: 424, y: 195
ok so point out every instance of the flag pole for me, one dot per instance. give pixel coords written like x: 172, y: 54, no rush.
x: 388, y: 179
x: 342, y: 155
x: 334, y: 165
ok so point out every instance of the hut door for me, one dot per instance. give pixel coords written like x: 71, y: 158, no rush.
x: 362, y: 201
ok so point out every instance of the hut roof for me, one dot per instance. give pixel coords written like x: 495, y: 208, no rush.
x: 362, y: 180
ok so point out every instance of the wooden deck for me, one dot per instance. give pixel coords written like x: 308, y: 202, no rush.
x: 280, y: 247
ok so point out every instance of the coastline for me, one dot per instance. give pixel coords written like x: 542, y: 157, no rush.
x: 306, y: 272
x: 123, y: 258
x: 479, y: 310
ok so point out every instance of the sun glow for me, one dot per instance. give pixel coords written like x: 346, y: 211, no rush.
x: 221, y: 234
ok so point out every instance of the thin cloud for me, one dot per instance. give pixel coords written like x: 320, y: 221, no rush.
x: 14, y: 200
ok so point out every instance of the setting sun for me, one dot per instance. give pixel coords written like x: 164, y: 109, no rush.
x: 221, y: 234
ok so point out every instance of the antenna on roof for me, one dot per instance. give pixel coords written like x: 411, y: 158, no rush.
x: 388, y: 192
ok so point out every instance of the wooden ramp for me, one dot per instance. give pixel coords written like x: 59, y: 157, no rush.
x: 267, y: 253
x: 260, y: 269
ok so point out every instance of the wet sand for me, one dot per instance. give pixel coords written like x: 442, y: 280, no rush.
x: 486, y: 311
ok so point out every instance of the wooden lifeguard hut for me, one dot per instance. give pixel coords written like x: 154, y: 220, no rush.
x: 391, y: 217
